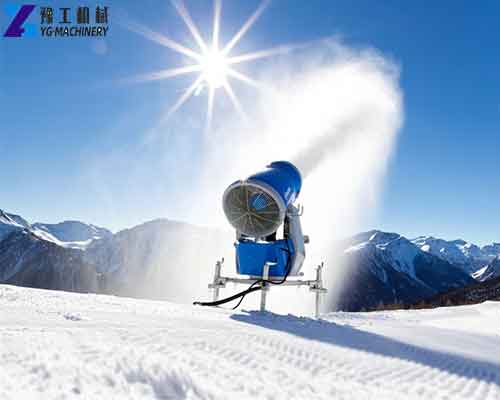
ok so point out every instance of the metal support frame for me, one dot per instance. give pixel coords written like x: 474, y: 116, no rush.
x: 265, y: 286
x: 219, y: 282
x: 315, y: 285
x: 318, y: 288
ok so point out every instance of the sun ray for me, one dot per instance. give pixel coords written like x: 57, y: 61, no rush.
x: 161, y: 39
x: 186, y: 17
x: 184, y: 97
x: 244, y: 78
x: 210, y: 109
x: 246, y: 26
x: 216, y: 28
x: 262, y: 54
x: 163, y: 74
x: 236, y: 103
x: 213, y: 61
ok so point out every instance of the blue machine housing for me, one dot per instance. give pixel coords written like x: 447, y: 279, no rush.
x: 283, y: 177
x: 257, y: 206
x: 251, y: 257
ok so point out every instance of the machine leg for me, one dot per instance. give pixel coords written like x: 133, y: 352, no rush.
x: 318, y: 304
x: 218, y: 266
x: 319, y: 289
x: 265, y: 287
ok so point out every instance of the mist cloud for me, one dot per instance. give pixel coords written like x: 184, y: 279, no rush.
x: 332, y: 110
x: 335, y: 112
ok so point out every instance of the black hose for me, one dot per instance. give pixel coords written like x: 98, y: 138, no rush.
x: 228, y: 299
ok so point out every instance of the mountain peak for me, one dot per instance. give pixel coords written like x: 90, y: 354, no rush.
x: 462, y: 253
x: 383, y: 237
x: 73, y: 231
x: 374, y: 237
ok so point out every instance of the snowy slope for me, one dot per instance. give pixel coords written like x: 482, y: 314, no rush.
x: 66, y: 345
x: 490, y: 271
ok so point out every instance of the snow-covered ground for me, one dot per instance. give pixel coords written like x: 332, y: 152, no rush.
x: 56, y: 345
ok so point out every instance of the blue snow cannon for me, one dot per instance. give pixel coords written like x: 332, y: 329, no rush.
x: 256, y: 207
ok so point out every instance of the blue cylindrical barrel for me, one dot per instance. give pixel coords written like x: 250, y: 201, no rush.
x: 257, y: 205
x: 283, y: 177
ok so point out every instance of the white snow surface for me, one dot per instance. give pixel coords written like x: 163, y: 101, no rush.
x: 57, y: 345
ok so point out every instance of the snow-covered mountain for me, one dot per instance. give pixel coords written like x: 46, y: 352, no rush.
x: 14, y: 223
x: 460, y: 253
x: 73, y: 234
x: 161, y: 258
x: 70, y: 234
x: 491, y: 250
x: 170, y: 260
x: 10, y: 223
x: 28, y: 260
x: 387, y: 268
x: 47, y: 256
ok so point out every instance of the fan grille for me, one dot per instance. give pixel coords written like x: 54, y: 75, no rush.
x: 251, y: 210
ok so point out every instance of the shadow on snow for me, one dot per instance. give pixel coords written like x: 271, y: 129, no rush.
x: 346, y: 336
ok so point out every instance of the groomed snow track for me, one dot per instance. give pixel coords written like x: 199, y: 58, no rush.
x: 62, y: 345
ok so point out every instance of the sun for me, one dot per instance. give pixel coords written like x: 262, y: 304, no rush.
x: 214, y: 68
x: 213, y: 64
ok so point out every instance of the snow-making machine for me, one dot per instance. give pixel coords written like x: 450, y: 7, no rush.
x: 257, y: 208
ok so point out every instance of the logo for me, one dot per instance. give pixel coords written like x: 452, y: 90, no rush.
x: 61, y: 22
x: 15, y: 28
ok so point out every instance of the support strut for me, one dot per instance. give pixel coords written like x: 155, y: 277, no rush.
x: 264, y: 284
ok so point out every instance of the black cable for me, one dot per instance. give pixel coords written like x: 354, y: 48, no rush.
x: 243, y: 297
x: 252, y: 287
x: 227, y: 299
x: 264, y: 281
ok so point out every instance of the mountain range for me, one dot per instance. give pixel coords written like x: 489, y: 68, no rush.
x: 387, y: 268
x: 384, y: 268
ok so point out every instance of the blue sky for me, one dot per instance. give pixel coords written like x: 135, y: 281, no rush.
x: 62, y: 112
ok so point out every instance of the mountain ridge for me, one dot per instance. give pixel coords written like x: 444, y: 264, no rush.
x: 384, y: 267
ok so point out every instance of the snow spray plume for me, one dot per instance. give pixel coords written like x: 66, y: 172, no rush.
x: 336, y: 113
x: 324, y: 147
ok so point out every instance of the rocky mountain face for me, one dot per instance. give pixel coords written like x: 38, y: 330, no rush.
x: 10, y: 223
x: 36, y: 255
x: 387, y: 268
x: 490, y: 271
x: 28, y: 260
